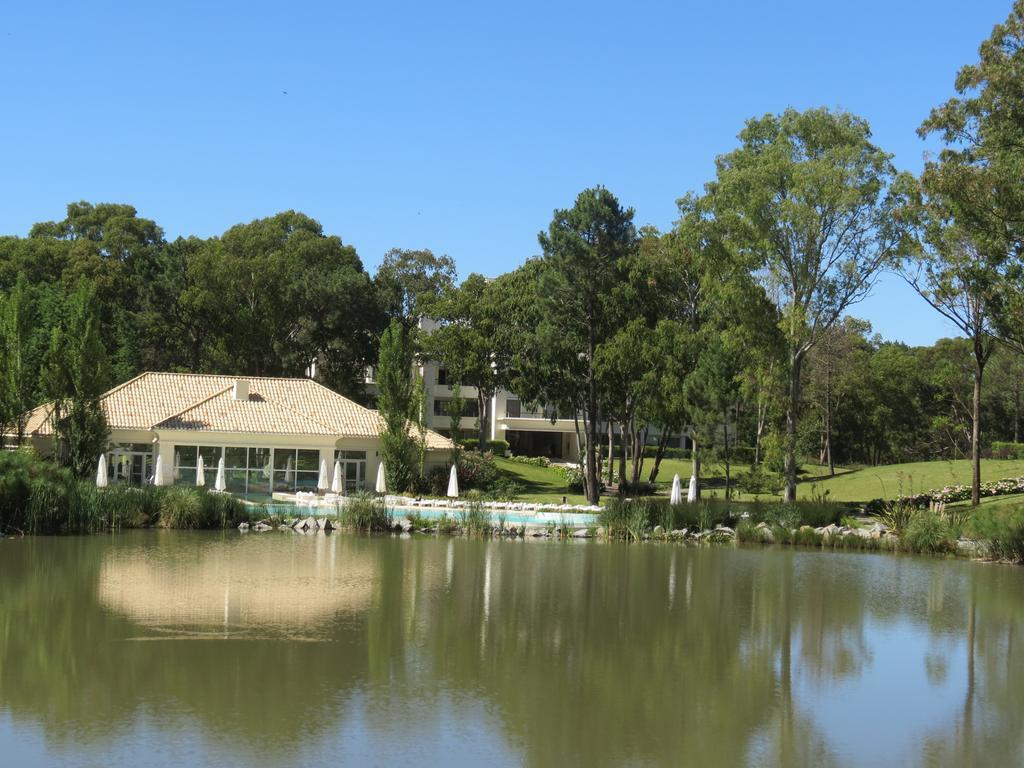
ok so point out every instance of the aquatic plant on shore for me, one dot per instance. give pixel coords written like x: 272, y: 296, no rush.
x: 365, y: 512
x: 38, y: 497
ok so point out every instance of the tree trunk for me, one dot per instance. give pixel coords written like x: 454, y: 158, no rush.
x: 696, y: 465
x: 725, y: 452
x: 659, y: 453
x: 1016, y: 411
x: 792, y: 416
x: 481, y: 409
x: 828, y: 420
x: 976, y: 437
x: 638, y: 452
x: 611, y: 454
x: 622, y: 455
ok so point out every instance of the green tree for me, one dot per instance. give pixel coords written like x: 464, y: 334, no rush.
x: 456, y: 409
x: 75, y: 378
x: 974, y: 217
x: 397, y: 405
x: 816, y: 207
x: 964, y: 283
x: 409, y: 281
x: 17, y: 374
x: 463, y: 341
x: 585, y: 250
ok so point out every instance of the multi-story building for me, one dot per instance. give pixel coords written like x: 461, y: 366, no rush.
x: 528, y: 431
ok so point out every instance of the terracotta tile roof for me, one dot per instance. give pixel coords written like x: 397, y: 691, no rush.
x: 201, y: 402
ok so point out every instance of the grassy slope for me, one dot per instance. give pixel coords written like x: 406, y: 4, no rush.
x: 893, y: 479
x: 545, y: 485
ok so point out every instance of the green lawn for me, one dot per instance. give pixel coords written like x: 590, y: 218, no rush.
x: 892, y: 480
x: 544, y: 484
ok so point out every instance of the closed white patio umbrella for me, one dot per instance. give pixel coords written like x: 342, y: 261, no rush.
x: 337, y: 484
x: 691, y: 494
x: 677, y: 491
x: 381, y: 485
x: 322, y: 482
x: 220, y: 484
x: 200, y: 472
x: 158, y: 471
x: 101, y: 472
x: 453, y: 484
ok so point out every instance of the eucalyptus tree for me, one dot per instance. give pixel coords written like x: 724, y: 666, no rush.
x: 814, y: 207
x: 964, y: 283
x: 288, y: 296
x: 408, y: 281
x: 974, y: 212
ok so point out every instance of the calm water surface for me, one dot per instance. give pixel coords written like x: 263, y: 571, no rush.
x: 166, y: 648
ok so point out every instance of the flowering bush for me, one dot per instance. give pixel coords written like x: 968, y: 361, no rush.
x: 953, y: 493
x: 533, y: 461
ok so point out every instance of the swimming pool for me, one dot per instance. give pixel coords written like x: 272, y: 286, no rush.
x: 510, y: 516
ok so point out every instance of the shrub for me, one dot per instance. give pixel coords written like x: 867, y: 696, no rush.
x: 505, y: 489
x: 748, y: 532
x: 758, y: 480
x: 1001, y: 531
x: 500, y: 447
x: 623, y: 519
x: 640, y: 489
x: 533, y: 461
x: 36, y: 496
x: 806, y: 536
x: 180, y: 508
x: 365, y: 512
x: 896, y: 515
x: 475, y: 470
x: 474, y: 518
x: 1005, y: 450
x: 927, y: 532
x: 572, y: 477
x: 194, y: 508
x: 777, y: 515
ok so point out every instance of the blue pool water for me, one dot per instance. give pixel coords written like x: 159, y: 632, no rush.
x: 512, y: 517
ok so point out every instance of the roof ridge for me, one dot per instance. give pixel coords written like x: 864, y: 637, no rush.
x: 216, y: 376
x: 196, y: 404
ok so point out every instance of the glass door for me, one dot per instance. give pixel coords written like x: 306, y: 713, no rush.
x: 130, y: 467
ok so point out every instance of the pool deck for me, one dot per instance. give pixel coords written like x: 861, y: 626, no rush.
x: 512, y: 511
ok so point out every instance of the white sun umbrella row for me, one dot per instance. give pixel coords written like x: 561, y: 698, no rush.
x: 158, y: 473
x: 676, y: 496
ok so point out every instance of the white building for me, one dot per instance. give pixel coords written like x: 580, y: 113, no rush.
x: 527, y: 430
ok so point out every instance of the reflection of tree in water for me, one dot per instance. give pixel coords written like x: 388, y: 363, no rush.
x: 596, y: 657
x: 580, y: 654
x: 990, y: 730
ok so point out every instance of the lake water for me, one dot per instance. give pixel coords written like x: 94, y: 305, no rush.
x: 168, y: 648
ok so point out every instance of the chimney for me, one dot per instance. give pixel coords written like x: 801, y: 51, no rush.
x: 241, y: 390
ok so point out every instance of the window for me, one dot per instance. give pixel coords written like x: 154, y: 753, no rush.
x: 470, y: 408
x: 512, y: 409
x: 250, y: 471
x: 295, y: 469
x: 442, y: 377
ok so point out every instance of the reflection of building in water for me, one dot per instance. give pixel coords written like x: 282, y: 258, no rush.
x: 254, y: 585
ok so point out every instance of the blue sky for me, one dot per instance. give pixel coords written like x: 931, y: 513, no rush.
x: 457, y: 127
